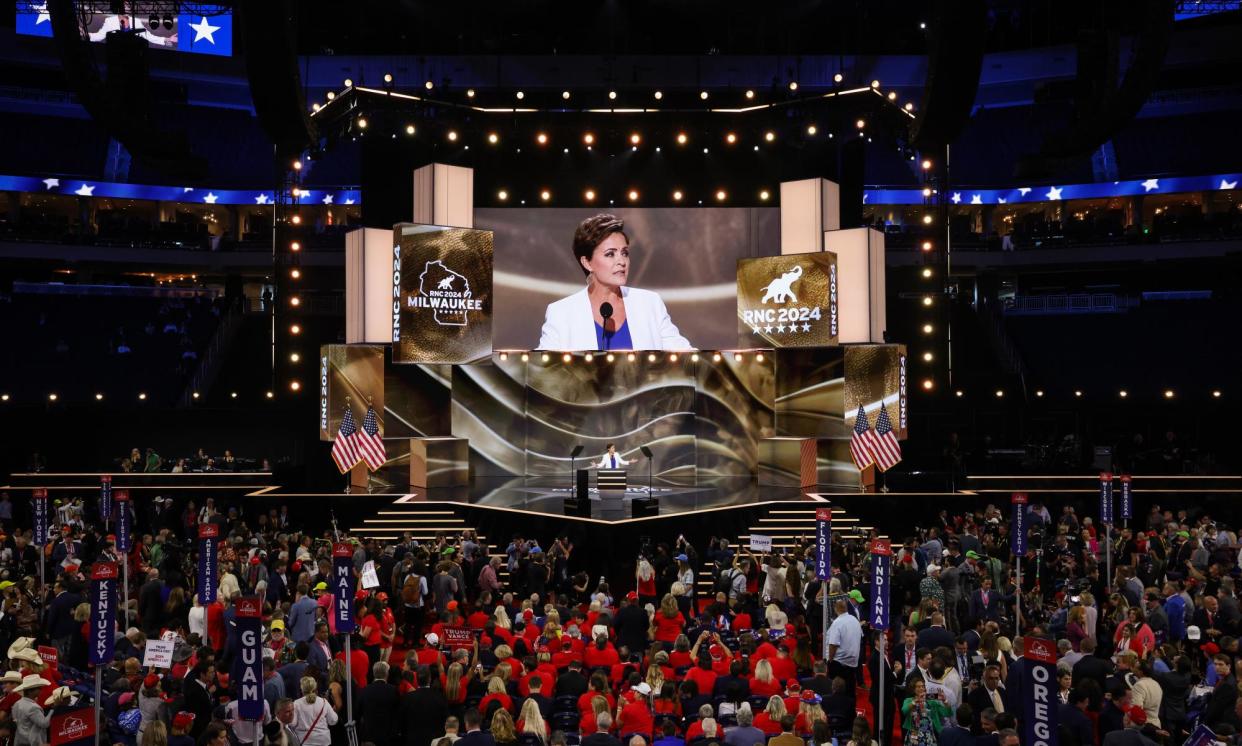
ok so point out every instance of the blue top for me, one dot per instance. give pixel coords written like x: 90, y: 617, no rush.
x: 618, y: 340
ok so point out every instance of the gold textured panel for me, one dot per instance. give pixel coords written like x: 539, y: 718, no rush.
x: 354, y: 373
x: 874, y: 378
x: 787, y: 301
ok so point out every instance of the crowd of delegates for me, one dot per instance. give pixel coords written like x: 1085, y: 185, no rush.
x: 515, y: 645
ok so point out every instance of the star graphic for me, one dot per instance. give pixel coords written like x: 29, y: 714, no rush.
x: 186, y: 189
x: 1228, y: 184
x: 976, y: 199
x: 1023, y: 190
x: 1150, y: 184
x: 327, y: 199
x: 1001, y: 200
x: 956, y: 198
x: 1054, y: 193
x: 262, y: 200
x: 86, y: 190
x: 780, y: 329
x: 204, y: 30
x: 754, y: 330
x: 864, y: 198
x: 349, y: 201
x: 53, y: 183
x: 210, y: 198
x: 767, y: 330
x: 806, y: 327
x: 41, y: 9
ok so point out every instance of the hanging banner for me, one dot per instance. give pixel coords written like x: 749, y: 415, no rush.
x: 343, y: 586
x: 1106, y: 497
x: 1127, y: 498
x: 208, y: 535
x: 103, y: 612
x: 124, y: 522
x: 72, y: 727
x: 39, y: 506
x: 1017, y: 533
x: 250, y: 661
x: 1039, y: 689
x: 105, y: 498
x: 823, y: 543
x: 881, y: 561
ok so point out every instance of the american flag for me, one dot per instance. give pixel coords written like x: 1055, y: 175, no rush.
x: 862, y: 442
x: 368, y: 441
x: 344, y: 449
x: 888, y: 450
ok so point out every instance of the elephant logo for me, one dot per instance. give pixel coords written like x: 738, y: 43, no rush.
x: 780, y: 290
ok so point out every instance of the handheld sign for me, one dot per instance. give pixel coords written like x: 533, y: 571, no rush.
x: 39, y: 500
x: 823, y: 543
x: 124, y: 521
x: 103, y: 613
x: 72, y: 727
x: 1039, y: 690
x: 105, y: 498
x: 343, y: 586
x: 1127, y: 499
x: 456, y: 638
x: 250, y: 658
x: 1106, y: 497
x: 881, y: 559
x: 1017, y: 536
x: 158, y: 654
x: 208, y: 535
x: 760, y: 543
x: 370, y: 578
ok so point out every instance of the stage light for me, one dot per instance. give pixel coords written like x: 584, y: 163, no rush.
x: 1216, y: 394
x: 295, y: 273
x: 610, y: 357
x: 315, y: 106
x: 588, y: 357
x: 658, y: 95
x: 927, y: 246
x: 294, y: 357
x: 520, y: 95
x: 545, y: 357
x: 927, y: 300
x: 589, y: 195
x: 657, y: 148
x: 295, y: 385
x: 469, y: 93
x: 927, y: 164
x: 694, y: 357
x: 270, y: 395
x: 362, y: 123
x: 545, y: 195
x: 387, y: 77
x: 525, y: 357
x: 452, y: 135
x: 927, y: 272
x: 493, y: 138
x: 672, y: 357
x: 612, y: 95
x: 651, y: 358
x: 1000, y: 394
x: 588, y: 138
x: 812, y: 130
x: 737, y: 357
x: 769, y: 135
x: 763, y: 195
x: 759, y: 357
x: 566, y: 358
x: 98, y: 397
x: 52, y: 397
x: 195, y: 394
x: 541, y: 138
x: 295, y: 301
x: 927, y: 219
x: 1123, y: 393
x: 565, y: 95
x: 1077, y: 393
x: 296, y: 219
x: 892, y: 95
x: 409, y: 129
x: 860, y: 123
x: 959, y: 393
x: 838, y: 78
x: 721, y: 195
x: 875, y: 84
x: 429, y: 85
x: 295, y: 246
x: 681, y: 138
x: 635, y: 138
x: 630, y: 357
x: 730, y: 138
x: 233, y: 395
x: 331, y: 95
x: 927, y: 357
x: 502, y: 195
x: 295, y: 329
x: 703, y: 95
x: 349, y: 83
x: 928, y: 328
x: 909, y: 106
x: 927, y: 192
x: 297, y: 165
x: 633, y: 195
x: 750, y: 93
x: 677, y: 196
x: 1168, y: 393
x: 793, y: 85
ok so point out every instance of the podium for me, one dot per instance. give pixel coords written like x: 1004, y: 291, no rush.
x: 611, y: 479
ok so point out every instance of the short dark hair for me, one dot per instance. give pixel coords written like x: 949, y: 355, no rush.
x: 592, y: 231
x: 965, y: 713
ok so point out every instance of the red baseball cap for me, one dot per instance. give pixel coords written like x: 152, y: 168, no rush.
x: 183, y: 720
x: 151, y: 681
x: 1136, y: 715
x: 793, y: 686
x: 631, y: 596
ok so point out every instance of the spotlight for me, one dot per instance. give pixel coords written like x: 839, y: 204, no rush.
x: 546, y: 357
x: 630, y: 357
x: 452, y: 135
x: 651, y: 358
x: 612, y: 95
x: 565, y: 95
x: 658, y: 95
x: 737, y: 357
x: 927, y: 246
x: 588, y: 357
x: 297, y: 165
x: 409, y: 129
x: 469, y: 93
x: 493, y: 138
x: 295, y: 246
x: 611, y: 357
x: 1216, y: 394
x: 296, y: 220
x: 589, y: 195
x: 588, y: 138
x: 635, y: 138
x: 387, y: 77
x: 566, y: 358
x: 769, y: 135
x: 838, y: 78
x: 1168, y: 393
x: 703, y: 95
x: 927, y: 272
x: 295, y: 273
x: 927, y: 192
x: 1039, y: 393
x: 694, y: 357
x: 928, y: 329
x: 681, y: 138
x: 295, y: 385
x: 315, y: 106
x: 927, y: 164
x: 1000, y: 394
x: 875, y: 84
x: 520, y: 95
x: 812, y: 130
x: 429, y: 85
x: 750, y: 93
x: 892, y: 95
x: 860, y: 123
x: 927, y: 219
x: 331, y: 95
x: 349, y: 83
x: 927, y: 357
x: 270, y: 395
x: 928, y: 384
x: 98, y: 397
x: 716, y: 357
x: 525, y: 357
x: 541, y: 138
x: 545, y: 195
x: 763, y: 195
x: 730, y: 138
x: 502, y: 195
x: 721, y: 195
x: 677, y: 195
x: 295, y: 329
x: 793, y: 85
x: 232, y: 394
x: 909, y: 106
x: 52, y: 397
x: 759, y: 357
x: 959, y: 393
x: 1077, y: 393
x: 294, y: 357
x: 927, y: 300
x: 362, y: 123
x: 1123, y: 393
x: 195, y: 394
x: 295, y: 301
x: 633, y: 195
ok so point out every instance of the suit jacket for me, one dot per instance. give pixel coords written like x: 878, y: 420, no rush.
x: 377, y: 712
x: 198, y: 701
x: 569, y: 323
x: 423, y: 712
x: 1127, y: 737
x: 318, y: 659
x: 990, y: 612
x: 1076, y: 727
x: 572, y: 683
x: 473, y: 738
x: 935, y: 637
x: 952, y: 735
x: 979, y: 700
x: 786, y: 739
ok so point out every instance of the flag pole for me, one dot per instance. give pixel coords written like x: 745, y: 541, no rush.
x: 879, y: 722
x: 98, y: 698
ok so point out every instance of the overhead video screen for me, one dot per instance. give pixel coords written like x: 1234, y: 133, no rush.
x: 201, y: 29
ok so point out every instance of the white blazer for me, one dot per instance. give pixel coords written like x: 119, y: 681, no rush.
x: 569, y: 323
x: 606, y: 462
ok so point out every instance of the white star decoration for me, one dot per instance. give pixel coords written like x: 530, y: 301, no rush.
x: 1150, y: 184
x: 1001, y: 200
x: 210, y: 198
x: 52, y: 183
x: 767, y: 330
x: 754, y: 330
x: 806, y: 327
x: 976, y: 199
x: 780, y: 329
x: 86, y: 190
x: 204, y: 30
x: 1054, y: 193
x: 956, y: 198
x: 327, y: 199
x: 186, y: 189
x: 349, y: 201
x: 261, y: 200
x: 1023, y: 190
x: 41, y: 9
x: 1228, y: 184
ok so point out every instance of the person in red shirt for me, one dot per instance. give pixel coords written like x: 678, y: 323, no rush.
x: 793, y: 696
x: 769, y: 718
x: 588, y: 720
x: 479, y: 618
x: 565, y: 654
x: 601, y: 654
x: 599, y: 688
x: 428, y: 654
x: 215, y: 625
x: 702, y: 675
x: 387, y: 627
x: 496, y: 692
x: 764, y: 684
x: 680, y: 657
x: 359, y: 662
x: 668, y: 621
x: 369, y: 630
x: 783, y: 667
x: 635, y: 716
x: 646, y: 576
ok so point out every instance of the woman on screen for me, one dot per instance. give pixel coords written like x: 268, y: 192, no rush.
x: 607, y: 315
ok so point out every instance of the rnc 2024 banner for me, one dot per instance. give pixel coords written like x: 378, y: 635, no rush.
x: 441, y: 294
x: 788, y: 301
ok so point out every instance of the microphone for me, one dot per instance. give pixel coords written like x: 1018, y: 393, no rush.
x: 605, y: 310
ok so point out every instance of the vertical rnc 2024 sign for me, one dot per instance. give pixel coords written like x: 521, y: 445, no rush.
x: 250, y: 661
x: 823, y: 543
x: 881, y: 561
x: 103, y: 612
x: 1106, y: 497
x: 39, y: 508
x: 208, y: 535
x: 343, y: 586
x: 1039, y: 689
x: 1017, y: 534
x: 124, y: 522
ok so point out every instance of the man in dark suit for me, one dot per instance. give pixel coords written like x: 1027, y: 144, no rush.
x: 905, y: 654
x: 424, y: 709
x: 1091, y: 668
x: 319, y: 654
x: 292, y: 672
x: 631, y: 624
x: 737, y: 675
x: 377, y: 708
x: 956, y: 735
x: 601, y: 737
x: 935, y: 636
x: 884, y: 731
x: 1075, y: 727
x: 473, y: 737
x: 990, y: 696
x: 1014, y: 680
x: 572, y: 683
x: 151, y: 603
x: 198, y: 699
x: 987, y: 602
